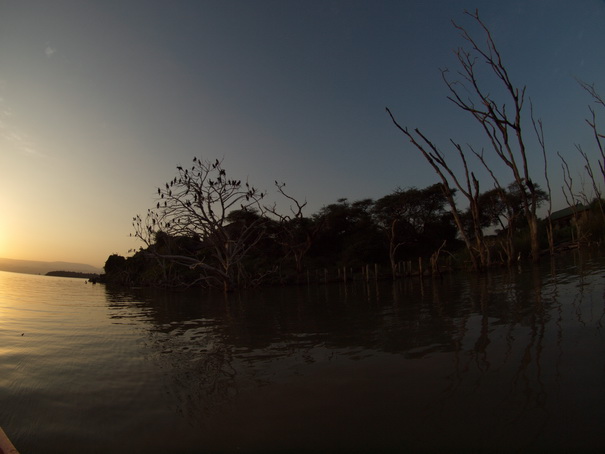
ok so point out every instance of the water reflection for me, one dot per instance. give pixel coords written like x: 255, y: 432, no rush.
x: 486, y: 361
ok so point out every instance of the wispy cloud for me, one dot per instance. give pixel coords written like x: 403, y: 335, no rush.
x: 49, y: 51
x: 11, y: 135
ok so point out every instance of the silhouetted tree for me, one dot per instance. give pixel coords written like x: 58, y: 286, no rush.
x: 414, y: 222
x: 348, y: 236
x: 467, y: 184
x: 295, y: 232
x: 503, y: 127
x: 502, y: 124
x: 504, y: 209
x: 196, y: 204
x: 599, y: 141
x: 114, y: 263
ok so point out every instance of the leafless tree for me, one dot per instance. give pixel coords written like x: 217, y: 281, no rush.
x: 501, y: 121
x: 599, y: 142
x: 539, y: 130
x: 572, y: 198
x: 478, y: 251
x: 502, y: 125
x: 598, y: 196
x: 296, y: 232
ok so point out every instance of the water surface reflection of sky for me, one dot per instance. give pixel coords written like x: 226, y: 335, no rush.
x: 510, y: 360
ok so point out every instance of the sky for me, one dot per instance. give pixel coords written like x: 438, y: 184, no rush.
x: 101, y: 100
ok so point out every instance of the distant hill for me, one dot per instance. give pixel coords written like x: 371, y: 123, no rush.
x: 93, y: 276
x: 35, y: 267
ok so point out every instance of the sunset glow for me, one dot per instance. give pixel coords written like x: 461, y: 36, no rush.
x: 3, y: 241
x: 99, y: 102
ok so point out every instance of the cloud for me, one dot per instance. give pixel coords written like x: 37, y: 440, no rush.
x: 49, y: 51
x: 13, y: 137
x: 18, y: 141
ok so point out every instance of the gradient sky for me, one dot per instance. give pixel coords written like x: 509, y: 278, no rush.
x: 101, y: 100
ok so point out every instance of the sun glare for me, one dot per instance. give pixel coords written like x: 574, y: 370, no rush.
x: 6, y: 245
x: 3, y: 241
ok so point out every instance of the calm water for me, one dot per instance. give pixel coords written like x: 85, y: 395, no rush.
x: 510, y: 361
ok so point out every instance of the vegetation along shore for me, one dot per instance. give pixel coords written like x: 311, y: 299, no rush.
x: 210, y: 229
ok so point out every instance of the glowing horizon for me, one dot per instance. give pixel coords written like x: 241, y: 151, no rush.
x: 91, y: 122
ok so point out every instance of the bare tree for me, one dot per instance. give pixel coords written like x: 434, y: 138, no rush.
x: 196, y: 204
x: 479, y: 253
x: 502, y: 126
x: 599, y: 141
x: 598, y: 196
x: 599, y: 100
x: 508, y: 211
x: 501, y: 121
x: 296, y: 232
x: 573, y: 199
x: 539, y: 130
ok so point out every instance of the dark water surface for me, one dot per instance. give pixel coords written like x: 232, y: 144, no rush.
x: 509, y: 361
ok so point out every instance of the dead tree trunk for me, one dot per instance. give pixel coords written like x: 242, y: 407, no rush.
x: 503, y: 126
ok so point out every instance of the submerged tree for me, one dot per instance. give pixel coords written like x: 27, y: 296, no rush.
x: 501, y: 122
x: 503, y: 209
x: 196, y: 204
x: 468, y: 185
x: 502, y: 126
x: 599, y: 139
x: 575, y: 200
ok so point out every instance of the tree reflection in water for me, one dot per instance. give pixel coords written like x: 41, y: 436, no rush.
x: 482, y: 361
x: 185, y: 343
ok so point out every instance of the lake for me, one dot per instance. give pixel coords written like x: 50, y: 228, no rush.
x: 510, y: 360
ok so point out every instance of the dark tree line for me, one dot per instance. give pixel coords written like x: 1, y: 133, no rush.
x: 208, y: 228
x: 211, y: 230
